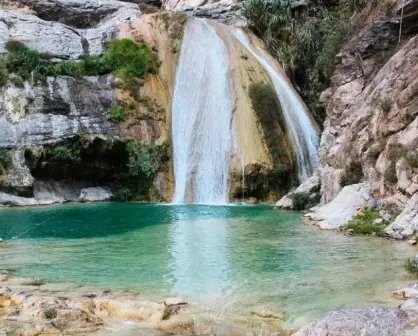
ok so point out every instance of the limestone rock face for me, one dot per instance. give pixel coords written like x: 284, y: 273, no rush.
x: 62, y: 40
x: 371, y: 321
x: 225, y: 11
x: 406, y: 224
x: 372, y: 114
x: 61, y: 108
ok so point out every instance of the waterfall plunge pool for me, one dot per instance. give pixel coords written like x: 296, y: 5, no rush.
x: 228, y: 257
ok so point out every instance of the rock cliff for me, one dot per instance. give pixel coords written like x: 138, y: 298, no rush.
x: 370, y: 133
x: 40, y: 117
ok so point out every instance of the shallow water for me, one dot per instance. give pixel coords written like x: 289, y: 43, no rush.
x: 229, y: 257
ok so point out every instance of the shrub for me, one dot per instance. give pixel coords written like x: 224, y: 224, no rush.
x: 21, y: 60
x: 64, y: 154
x: 411, y: 266
x: 353, y: 174
x: 128, y: 60
x: 6, y: 160
x: 50, y: 313
x: 117, y: 112
x: 301, y: 200
x: 364, y: 222
x: 307, y: 40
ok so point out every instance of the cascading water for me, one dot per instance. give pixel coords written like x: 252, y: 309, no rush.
x: 304, y: 135
x: 201, y: 113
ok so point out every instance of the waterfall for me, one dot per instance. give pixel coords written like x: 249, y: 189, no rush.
x: 301, y: 128
x: 201, y: 117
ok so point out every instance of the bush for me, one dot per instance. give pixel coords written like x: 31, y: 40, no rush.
x: 6, y: 160
x: 364, y: 223
x: 301, y: 200
x: 128, y: 60
x: 353, y: 175
x: 117, y: 112
x: 411, y: 266
x: 63, y: 154
x: 50, y: 313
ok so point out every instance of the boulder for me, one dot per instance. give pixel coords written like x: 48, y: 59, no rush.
x: 310, y: 186
x: 369, y: 321
x: 342, y: 209
x: 95, y: 194
x: 406, y: 224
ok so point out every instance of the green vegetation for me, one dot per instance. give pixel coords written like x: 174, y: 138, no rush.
x: 117, y: 112
x: 127, y: 166
x: 5, y: 160
x: 301, y: 201
x: 63, y: 154
x: 368, y: 222
x: 128, y: 60
x: 411, y: 266
x: 269, y: 114
x: 353, y: 174
x: 306, y: 39
x: 50, y: 313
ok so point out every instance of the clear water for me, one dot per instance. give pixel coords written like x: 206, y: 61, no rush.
x: 301, y: 128
x: 202, y: 112
x: 229, y: 257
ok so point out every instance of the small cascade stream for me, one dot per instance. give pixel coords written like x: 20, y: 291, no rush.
x: 301, y: 128
x: 201, y: 113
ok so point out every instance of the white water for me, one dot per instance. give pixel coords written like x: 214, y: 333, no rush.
x: 304, y: 135
x: 201, y: 114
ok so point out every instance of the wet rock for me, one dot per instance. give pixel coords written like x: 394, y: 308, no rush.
x: 95, y: 194
x: 370, y: 321
x: 412, y: 242
x: 33, y: 282
x: 312, y: 185
x: 405, y: 293
x: 268, y: 313
x: 173, y: 301
x: 349, y: 232
x: 176, y: 324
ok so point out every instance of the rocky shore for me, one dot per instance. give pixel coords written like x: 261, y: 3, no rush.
x: 30, y: 307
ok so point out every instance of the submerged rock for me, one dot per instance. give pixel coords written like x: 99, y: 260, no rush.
x: 173, y: 301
